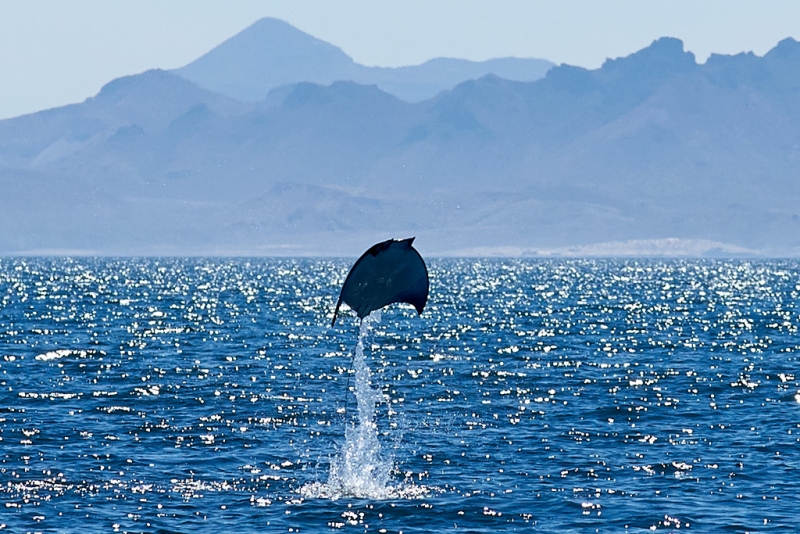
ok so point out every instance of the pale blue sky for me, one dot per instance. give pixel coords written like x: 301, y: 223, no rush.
x: 55, y: 52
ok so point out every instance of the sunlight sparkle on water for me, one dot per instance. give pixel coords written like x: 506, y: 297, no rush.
x: 553, y: 395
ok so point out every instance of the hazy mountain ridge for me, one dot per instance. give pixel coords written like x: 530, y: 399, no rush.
x: 271, y: 53
x: 147, y: 101
x: 650, y: 152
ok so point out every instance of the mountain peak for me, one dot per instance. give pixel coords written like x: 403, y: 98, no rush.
x: 266, y: 54
x: 787, y: 49
x: 155, y: 97
x: 137, y: 83
x: 636, y: 75
x: 270, y: 36
x: 664, y: 54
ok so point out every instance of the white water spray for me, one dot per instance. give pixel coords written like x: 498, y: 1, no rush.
x: 359, y: 469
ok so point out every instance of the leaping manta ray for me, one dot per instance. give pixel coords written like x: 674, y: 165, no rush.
x: 389, y: 272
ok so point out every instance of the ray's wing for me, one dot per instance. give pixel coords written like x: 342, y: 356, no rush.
x: 389, y: 272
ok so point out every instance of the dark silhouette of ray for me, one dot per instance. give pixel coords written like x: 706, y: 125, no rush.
x: 389, y: 272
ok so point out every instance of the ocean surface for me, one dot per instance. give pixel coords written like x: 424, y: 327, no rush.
x: 212, y: 395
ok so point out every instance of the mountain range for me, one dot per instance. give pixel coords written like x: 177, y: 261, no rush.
x: 271, y: 53
x: 651, y: 154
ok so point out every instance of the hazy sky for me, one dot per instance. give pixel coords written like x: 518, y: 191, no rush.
x: 55, y: 52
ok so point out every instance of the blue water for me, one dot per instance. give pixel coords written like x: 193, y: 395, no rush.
x: 191, y: 395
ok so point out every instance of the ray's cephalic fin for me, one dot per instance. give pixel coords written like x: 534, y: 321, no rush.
x: 389, y: 272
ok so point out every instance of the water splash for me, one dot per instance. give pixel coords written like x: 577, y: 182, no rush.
x: 360, y: 469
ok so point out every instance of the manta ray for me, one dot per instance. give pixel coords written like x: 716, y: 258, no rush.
x: 389, y: 272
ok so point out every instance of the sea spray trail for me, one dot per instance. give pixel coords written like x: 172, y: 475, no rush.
x: 359, y: 470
